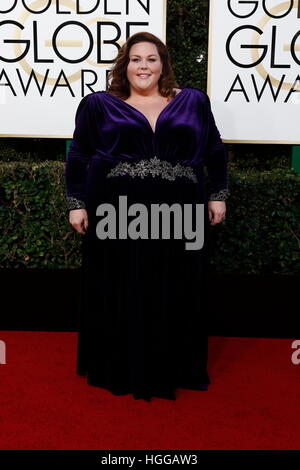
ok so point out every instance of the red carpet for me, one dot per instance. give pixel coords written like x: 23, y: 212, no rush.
x: 252, y: 403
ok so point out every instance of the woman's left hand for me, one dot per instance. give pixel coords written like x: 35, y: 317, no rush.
x: 216, y: 211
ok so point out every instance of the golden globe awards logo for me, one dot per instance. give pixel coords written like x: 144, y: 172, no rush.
x: 253, y: 70
x: 54, y: 52
x: 271, y: 50
x: 39, y: 35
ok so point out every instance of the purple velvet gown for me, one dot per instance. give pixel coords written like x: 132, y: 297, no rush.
x: 143, y: 312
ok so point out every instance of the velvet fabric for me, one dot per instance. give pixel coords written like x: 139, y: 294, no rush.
x: 109, y: 130
x: 143, y: 304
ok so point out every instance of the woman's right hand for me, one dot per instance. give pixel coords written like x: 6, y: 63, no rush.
x: 78, y: 218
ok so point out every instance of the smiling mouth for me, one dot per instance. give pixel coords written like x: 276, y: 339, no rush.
x: 143, y: 75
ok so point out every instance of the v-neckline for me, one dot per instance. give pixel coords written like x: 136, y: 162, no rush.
x: 142, y: 114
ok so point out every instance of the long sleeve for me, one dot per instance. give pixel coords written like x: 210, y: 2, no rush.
x: 80, y: 151
x: 216, y: 159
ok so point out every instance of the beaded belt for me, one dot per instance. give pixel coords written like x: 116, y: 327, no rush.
x: 155, y: 167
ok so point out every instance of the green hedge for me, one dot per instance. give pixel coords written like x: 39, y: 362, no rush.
x: 35, y: 229
x: 260, y: 235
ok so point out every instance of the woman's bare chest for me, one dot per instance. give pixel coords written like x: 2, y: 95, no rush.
x: 151, y: 110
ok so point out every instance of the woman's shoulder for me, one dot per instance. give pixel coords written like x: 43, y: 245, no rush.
x: 198, y: 93
x: 95, y: 95
x: 200, y: 96
x: 92, y: 100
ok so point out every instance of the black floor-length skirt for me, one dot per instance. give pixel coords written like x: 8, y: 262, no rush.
x: 143, y: 311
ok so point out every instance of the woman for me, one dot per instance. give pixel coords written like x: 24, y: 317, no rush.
x: 143, y: 311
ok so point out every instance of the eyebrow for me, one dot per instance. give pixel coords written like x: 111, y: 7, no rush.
x: 136, y: 55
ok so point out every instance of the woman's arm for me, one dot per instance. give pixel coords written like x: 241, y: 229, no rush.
x: 216, y: 160
x: 81, y: 148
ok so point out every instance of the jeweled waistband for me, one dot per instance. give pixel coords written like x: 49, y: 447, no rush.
x: 155, y: 167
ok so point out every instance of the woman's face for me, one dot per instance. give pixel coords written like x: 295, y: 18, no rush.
x: 144, y: 67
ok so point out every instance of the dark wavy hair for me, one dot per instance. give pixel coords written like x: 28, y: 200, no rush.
x: 118, y: 83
